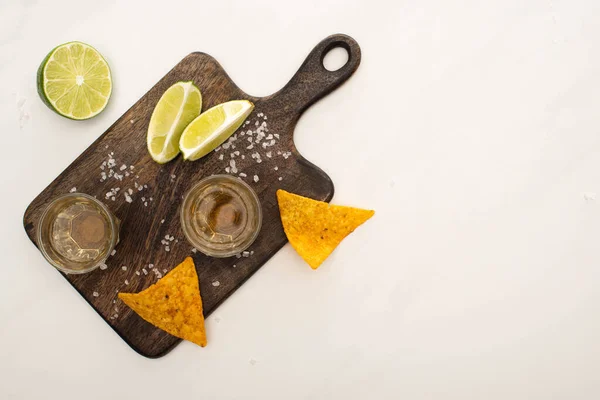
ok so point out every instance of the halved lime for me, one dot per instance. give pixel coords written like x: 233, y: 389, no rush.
x: 177, y: 107
x: 74, y: 80
x: 213, y: 127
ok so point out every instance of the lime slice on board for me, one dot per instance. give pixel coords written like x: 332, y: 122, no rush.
x: 177, y: 107
x: 74, y: 80
x: 212, y: 128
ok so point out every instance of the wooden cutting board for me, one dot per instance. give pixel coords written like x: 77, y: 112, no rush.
x: 153, y: 214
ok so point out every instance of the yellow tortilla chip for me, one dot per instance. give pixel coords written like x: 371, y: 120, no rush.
x: 173, y: 304
x: 315, y: 228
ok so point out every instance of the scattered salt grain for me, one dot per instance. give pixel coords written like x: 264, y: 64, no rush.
x: 216, y: 283
x: 243, y: 175
x: 73, y: 190
x: 167, y: 248
x: 171, y: 238
x: 245, y: 253
x: 112, y: 253
x: 95, y: 294
x: 137, y: 273
x: 280, y: 178
x: 123, y: 167
x: 103, y: 267
x: 255, y: 178
x: 233, y: 265
x: 144, y: 271
x: 221, y: 157
x: 269, y: 154
x: 162, y: 221
x: 126, y: 282
x: 128, y: 198
x: 124, y: 268
x: 194, y: 250
x: 589, y: 196
x: 145, y: 204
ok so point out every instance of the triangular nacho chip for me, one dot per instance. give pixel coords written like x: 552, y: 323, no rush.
x: 315, y: 228
x: 173, y: 304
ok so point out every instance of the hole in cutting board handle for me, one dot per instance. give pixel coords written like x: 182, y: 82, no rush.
x: 335, y: 58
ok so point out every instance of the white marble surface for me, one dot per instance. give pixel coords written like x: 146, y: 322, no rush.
x: 472, y: 127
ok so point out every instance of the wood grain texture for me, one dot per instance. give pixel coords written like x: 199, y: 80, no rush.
x: 143, y: 227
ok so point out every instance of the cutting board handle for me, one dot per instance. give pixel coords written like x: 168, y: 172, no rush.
x: 313, y: 81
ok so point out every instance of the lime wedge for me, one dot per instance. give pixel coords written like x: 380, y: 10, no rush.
x: 212, y: 128
x: 74, y: 81
x: 177, y: 107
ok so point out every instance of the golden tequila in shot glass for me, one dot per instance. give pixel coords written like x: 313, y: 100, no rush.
x: 221, y: 216
x: 77, y: 233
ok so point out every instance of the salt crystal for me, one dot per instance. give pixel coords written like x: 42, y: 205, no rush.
x: 113, y: 198
x: 167, y: 237
x: 143, y: 199
x: 131, y: 167
x: 95, y: 294
x: 173, y: 176
x: 249, y: 147
x: 255, y: 178
x: 112, y: 253
x: 245, y: 253
x: 218, y: 148
x: 227, y: 169
x: 162, y: 221
x: 243, y: 175
x: 216, y: 283
x: 167, y: 248
x: 103, y: 267
x: 265, y: 117
x: 128, y: 198
x: 131, y: 121
x: 164, y: 271
x: 589, y: 196
x: 137, y: 272
x: 126, y: 282
x: 150, y: 265
x: 280, y: 178
x: 221, y: 157
x: 144, y: 271
x: 276, y: 168
x: 238, y: 255
x: 146, y: 186
x: 124, y: 268
x: 123, y: 167
x: 194, y: 250
x: 233, y: 265
x: 243, y: 156
x: 171, y: 238
x: 276, y: 135
x: 145, y: 204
